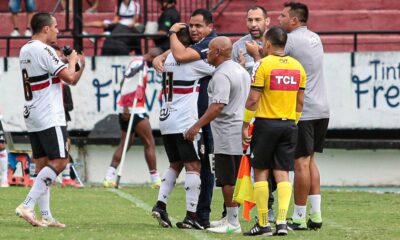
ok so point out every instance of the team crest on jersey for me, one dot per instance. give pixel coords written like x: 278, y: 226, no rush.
x: 285, y: 79
x: 27, y: 111
x: 164, y: 114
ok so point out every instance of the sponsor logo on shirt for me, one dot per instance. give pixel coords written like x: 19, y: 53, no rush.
x: 55, y: 59
x: 286, y: 80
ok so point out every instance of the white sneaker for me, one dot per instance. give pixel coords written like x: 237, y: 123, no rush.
x: 28, y: 215
x: 52, y: 222
x: 4, y: 185
x: 218, y: 223
x: 226, y: 228
x: 14, y: 33
x: 28, y: 33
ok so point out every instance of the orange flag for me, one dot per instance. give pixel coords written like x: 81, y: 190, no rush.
x: 243, y: 193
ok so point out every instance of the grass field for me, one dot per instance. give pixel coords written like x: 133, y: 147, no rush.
x: 97, y: 213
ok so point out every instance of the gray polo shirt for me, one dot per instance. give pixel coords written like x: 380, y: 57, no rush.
x: 306, y: 46
x: 240, y: 45
x: 229, y: 85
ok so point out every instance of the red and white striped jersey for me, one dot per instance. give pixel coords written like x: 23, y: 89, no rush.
x: 44, y: 106
x: 181, y: 84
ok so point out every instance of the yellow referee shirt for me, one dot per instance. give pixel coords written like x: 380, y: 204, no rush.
x: 280, y: 78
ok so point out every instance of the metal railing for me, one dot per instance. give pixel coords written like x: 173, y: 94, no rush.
x: 355, y: 37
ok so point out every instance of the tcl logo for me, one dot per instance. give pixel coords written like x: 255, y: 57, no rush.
x: 287, y: 80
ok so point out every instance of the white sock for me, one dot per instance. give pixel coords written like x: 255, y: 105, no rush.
x: 299, y: 212
x: 232, y: 214
x: 4, y: 166
x: 111, y: 171
x: 44, y: 204
x: 154, y: 176
x: 167, y: 184
x: 66, y: 173
x: 192, y: 187
x: 315, y: 202
x: 43, y: 180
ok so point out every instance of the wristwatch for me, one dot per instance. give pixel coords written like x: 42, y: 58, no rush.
x: 170, y: 33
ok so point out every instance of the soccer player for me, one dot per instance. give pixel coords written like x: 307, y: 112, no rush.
x: 276, y: 101
x: 306, y: 47
x: 3, y: 158
x: 201, y: 33
x: 227, y: 93
x: 42, y: 72
x: 132, y: 88
x: 179, y: 112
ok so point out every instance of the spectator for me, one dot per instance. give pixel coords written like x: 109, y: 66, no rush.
x: 125, y: 21
x: 93, y: 5
x: 15, y: 8
x: 169, y: 17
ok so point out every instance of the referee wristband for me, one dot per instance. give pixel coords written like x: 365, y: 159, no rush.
x: 298, y: 116
x: 248, y: 115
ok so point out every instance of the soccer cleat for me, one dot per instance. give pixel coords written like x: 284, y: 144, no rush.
x: 281, y: 229
x: 271, y: 217
x: 109, y: 183
x: 28, y: 215
x: 218, y: 223
x: 70, y: 182
x: 315, y: 221
x: 52, y: 222
x: 226, y: 228
x: 297, y: 224
x: 257, y: 230
x: 189, y: 223
x: 161, y: 216
x: 156, y: 184
x: 204, y: 223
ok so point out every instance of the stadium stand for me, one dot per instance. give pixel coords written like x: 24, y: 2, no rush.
x: 326, y: 16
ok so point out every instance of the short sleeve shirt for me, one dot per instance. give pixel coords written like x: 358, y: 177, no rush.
x: 230, y: 85
x: 168, y: 18
x: 40, y: 65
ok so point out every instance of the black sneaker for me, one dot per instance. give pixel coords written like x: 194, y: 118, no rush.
x: 313, y: 225
x: 204, y: 223
x: 161, y: 216
x: 281, y: 229
x: 189, y: 223
x: 257, y: 230
x: 296, y: 226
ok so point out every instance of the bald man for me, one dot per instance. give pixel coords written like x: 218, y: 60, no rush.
x: 227, y: 95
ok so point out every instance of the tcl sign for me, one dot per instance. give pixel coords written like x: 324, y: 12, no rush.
x: 286, y: 80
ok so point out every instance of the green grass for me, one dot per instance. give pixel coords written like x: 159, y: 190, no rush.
x: 97, y: 213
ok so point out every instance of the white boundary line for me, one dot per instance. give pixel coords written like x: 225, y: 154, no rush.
x: 197, y: 234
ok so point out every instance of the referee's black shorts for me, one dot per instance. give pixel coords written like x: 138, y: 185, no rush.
x: 311, y: 137
x: 179, y: 149
x: 274, y: 143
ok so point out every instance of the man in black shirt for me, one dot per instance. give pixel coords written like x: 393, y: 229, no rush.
x: 169, y: 17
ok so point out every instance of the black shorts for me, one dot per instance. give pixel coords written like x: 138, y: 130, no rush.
x: 51, y: 143
x: 136, y: 119
x: 274, y: 143
x: 2, y: 138
x: 180, y: 150
x: 226, y: 169
x: 311, y: 136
